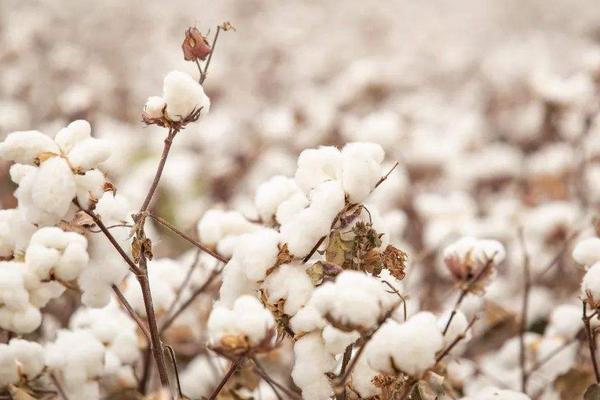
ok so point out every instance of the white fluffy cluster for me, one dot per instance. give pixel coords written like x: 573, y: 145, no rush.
x: 182, y: 96
x: 221, y: 229
x: 247, y: 320
x: 201, y: 376
x: 20, y: 359
x: 587, y: 253
x: 311, y: 362
x: 78, y: 358
x: 118, y: 334
x: 51, y: 173
x: 409, y: 347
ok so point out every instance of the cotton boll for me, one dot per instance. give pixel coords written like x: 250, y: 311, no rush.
x: 19, y: 171
x: 235, y: 283
x: 564, y: 321
x: 591, y: 282
x: 183, y: 96
x: 291, y: 283
x: 362, y: 378
x: 53, y: 189
x: 383, y: 128
x: 410, y: 346
x: 15, y: 232
x: 89, y: 153
x: 318, y: 165
x: 456, y: 328
x: 587, y: 251
x: 311, y: 363
x: 270, y: 195
x: 361, y: 169
x: 300, y: 235
x: 257, y: 252
x: 336, y: 341
x: 217, y: 224
x: 290, y: 207
x: 26, y: 321
x: 24, y: 147
x: 90, y: 187
x: 29, y: 355
x: 72, y: 134
x: 307, y: 319
x: 154, y: 107
x: 201, y: 376
x: 9, y: 374
x: 113, y: 208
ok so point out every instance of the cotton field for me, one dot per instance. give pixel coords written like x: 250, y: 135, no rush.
x: 307, y: 200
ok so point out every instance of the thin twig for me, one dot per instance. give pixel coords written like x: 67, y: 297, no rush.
x: 131, y: 312
x: 204, y: 73
x: 159, y: 169
x: 524, y: 313
x: 383, y: 178
x: 591, y: 340
x: 175, y: 370
x: 169, y: 321
x: 234, y: 367
x: 467, y: 289
x: 272, y: 382
x: 455, y: 342
x: 187, y: 238
x: 313, y: 250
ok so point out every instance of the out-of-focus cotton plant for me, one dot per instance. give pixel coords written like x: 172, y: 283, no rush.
x: 333, y: 205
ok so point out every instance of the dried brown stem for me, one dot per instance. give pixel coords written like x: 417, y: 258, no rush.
x: 272, y: 382
x: 455, y: 342
x: 204, y: 74
x: 234, y: 367
x: 524, y: 313
x: 159, y: 169
x: 591, y: 340
x: 131, y: 312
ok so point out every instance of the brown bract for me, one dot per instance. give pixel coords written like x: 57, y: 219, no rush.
x: 195, y: 46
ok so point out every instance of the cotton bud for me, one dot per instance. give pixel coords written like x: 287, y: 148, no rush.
x: 247, y: 325
x: 25, y: 147
x: 587, y: 251
x: 195, y: 46
x: 184, y: 97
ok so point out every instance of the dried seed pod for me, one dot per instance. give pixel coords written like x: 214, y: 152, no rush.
x: 195, y: 46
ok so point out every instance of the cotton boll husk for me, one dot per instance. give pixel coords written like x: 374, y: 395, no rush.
x: 311, y: 363
x: 257, y: 252
x: 564, y: 321
x: 411, y: 346
x: 270, y: 195
x: 183, y: 96
x: 77, y: 131
x: 291, y: 283
x: 89, y: 153
x: 24, y: 147
x: 318, y: 165
x: 591, y: 282
x: 336, y: 341
x: 201, y: 376
x: 90, y: 186
x: 587, y: 251
x: 154, y: 107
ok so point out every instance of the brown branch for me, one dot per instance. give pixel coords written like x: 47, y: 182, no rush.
x: 272, y: 382
x: 159, y: 169
x: 455, y: 342
x: 131, y: 312
x: 467, y: 289
x: 175, y: 370
x: 204, y: 74
x: 169, y: 321
x: 591, y: 340
x: 524, y: 312
x: 383, y: 178
x: 234, y: 367
x: 187, y: 238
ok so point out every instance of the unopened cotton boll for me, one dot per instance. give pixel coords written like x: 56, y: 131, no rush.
x: 183, y: 96
x: 291, y: 283
x: 311, y: 363
x: 154, y: 107
x: 587, y: 251
x: 24, y: 147
x: 410, y: 347
x: 257, y: 252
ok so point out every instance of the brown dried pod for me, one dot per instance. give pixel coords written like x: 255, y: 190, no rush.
x: 195, y: 46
